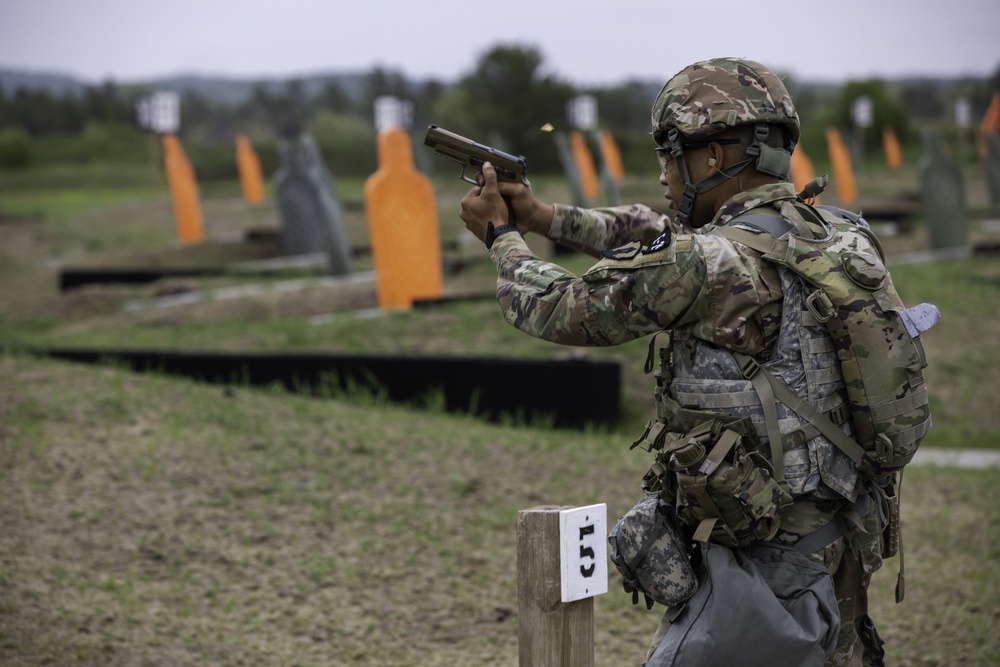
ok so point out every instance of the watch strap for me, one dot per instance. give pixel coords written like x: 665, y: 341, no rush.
x: 493, y: 233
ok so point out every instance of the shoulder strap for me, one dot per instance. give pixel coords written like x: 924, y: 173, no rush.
x: 766, y: 233
x: 768, y: 223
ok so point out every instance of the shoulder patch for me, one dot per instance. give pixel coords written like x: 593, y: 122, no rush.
x: 627, y: 251
x: 657, y: 244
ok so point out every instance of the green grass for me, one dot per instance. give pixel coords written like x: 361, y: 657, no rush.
x: 150, y: 519
x: 152, y: 516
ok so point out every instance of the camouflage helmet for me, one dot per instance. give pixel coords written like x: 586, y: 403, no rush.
x: 712, y: 95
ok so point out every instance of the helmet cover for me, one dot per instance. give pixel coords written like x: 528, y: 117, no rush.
x: 712, y: 95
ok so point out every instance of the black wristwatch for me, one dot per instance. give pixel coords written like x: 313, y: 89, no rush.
x: 493, y: 234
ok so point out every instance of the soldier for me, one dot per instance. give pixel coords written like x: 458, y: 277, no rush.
x: 724, y: 132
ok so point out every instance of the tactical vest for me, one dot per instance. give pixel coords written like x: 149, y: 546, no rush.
x: 840, y: 400
x: 705, y: 378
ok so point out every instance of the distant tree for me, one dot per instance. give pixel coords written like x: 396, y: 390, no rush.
x: 886, y: 111
x: 508, y: 96
x: 255, y: 108
x: 333, y: 98
x: 15, y: 147
x: 346, y: 141
x: 39, y: 113
x: 977, y: 94
x: 922, y: 100
x: 425, y: 99
x: 206, y: 119
x: 626, y: 107
x: 106, y: 104
x: 382, y: 82
x: 286, y: 112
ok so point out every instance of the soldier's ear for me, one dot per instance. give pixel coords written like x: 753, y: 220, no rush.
x: 716, y: 156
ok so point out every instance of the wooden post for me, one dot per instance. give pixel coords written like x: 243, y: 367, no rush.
x: 553, y: 633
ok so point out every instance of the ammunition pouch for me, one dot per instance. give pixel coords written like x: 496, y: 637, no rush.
x: 721, y: 488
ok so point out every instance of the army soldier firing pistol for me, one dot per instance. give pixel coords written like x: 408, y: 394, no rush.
x: 749, y: 355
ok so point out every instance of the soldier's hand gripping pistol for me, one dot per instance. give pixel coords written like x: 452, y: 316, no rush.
x: 469, y: 153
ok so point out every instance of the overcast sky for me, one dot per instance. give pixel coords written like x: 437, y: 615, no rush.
x: 583, y: 42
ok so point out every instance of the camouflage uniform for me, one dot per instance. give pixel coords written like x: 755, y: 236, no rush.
x: 656, y: 275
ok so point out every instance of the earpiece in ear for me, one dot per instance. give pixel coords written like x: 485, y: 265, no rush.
x: 711, y: 162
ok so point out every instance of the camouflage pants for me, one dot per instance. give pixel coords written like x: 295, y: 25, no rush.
x: 858, y: 644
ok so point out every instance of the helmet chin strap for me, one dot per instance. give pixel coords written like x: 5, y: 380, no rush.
x: 691, y: 190
x: 772, y: 161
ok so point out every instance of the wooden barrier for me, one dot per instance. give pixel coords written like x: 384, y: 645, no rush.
x: 561, y: 566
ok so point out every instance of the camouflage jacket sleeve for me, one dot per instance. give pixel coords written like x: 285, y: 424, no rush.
x: 705, y: 284
x: 594, y: 230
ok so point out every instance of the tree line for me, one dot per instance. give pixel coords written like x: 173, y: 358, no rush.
x: 504, y: 99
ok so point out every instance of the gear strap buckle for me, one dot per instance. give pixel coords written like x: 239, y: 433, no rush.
x: 820, y: 305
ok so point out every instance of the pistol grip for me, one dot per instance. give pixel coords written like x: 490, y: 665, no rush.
x: 510, y: 210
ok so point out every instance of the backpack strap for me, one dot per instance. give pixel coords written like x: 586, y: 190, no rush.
x: 777, y: 249
x: 769, y: 388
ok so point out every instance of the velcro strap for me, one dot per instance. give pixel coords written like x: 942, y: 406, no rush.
x: 817, y: 345
x: 897, y: 407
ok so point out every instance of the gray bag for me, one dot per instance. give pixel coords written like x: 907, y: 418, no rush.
x: 761, y: 605
x: 649, y: 550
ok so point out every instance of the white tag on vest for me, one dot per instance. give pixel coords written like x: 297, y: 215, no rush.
x: 920, y: 318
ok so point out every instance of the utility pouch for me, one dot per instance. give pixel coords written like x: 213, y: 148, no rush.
x: 728, y: 496
x: 650, y: 552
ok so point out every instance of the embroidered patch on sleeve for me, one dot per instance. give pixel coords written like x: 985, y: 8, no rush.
x: 625, y: 252
x: 657, y: 244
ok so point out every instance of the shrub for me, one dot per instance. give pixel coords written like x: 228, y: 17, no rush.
x: 15, y: 147
x: 347, y: 143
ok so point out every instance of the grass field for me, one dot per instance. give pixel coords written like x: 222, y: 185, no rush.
x: 156, y: 521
